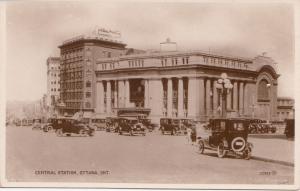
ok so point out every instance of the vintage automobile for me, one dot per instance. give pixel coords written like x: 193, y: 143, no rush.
x: 99, y: 123
x: 289, y: 130
x: 268, y: 128
x: 147, y: 123
x: 112, y: 124
x: 168, y: 125
x: 69, y: 126
x: 175, y: 126
x: 132, y: 126
x: 50, y: 125
x: 227, y: 136
x: 37, y: 124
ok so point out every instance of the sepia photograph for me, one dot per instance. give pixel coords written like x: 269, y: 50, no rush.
x: 149, y: 94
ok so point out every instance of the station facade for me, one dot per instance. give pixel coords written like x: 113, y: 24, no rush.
x: 183, y: 84
x: 104, y: 77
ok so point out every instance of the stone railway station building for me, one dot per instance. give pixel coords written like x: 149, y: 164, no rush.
x: 104, y: 77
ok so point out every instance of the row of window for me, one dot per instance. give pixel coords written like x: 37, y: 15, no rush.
x: 72, y: 95
x: 77, y: 104
x: 72, y: 53
x: 55, y: 67
x: 54, y: 75
x: 72, y: 75
x: 175, y: 61
x: 136, y: 63
x: 54, y: 82
x: 72, y: 65
x: 54, y: 89
x: 226, y: 62
x: 108, y: 66
x: 285, y: 103
x: 72, y: 85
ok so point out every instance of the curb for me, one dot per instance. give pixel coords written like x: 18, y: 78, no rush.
x: 273, y: 161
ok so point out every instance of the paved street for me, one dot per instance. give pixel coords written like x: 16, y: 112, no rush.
x: 150, y: 159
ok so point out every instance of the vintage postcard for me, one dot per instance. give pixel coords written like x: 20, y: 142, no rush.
x: 149, y: 94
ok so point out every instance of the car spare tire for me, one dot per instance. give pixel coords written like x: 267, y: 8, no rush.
x: 238, y: 144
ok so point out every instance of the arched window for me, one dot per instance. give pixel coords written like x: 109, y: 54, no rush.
x: 263, y: 90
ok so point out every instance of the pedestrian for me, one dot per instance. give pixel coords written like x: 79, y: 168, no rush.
x: 189, y: 132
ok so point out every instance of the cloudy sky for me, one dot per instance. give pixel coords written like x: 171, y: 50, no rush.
x: 36, y: 29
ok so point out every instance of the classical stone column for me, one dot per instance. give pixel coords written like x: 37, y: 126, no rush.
x: 170, y: 97
x: 207, y: 96
x: 116, y: 94
x: 121, y: 93
x: 196, y: 98
x: 180, y: 98
x: 99, y: 97
x: 201, y: 98
x: 127, y: 101
x: 146, y: 92
x: 215, y: 98
x: 247, y: 99
x: 241, y: 100
x: 235, y: 96
x: 108, y: 97
x: 228, y: 100
x: 156, y: 99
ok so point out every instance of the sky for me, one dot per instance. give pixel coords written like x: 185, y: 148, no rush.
x: 35, y: 30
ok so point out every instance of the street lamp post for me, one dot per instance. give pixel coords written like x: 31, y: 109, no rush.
x: 224, y: 86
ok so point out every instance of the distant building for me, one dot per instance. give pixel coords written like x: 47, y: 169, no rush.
x: 53, y: 81
x: 285, y: 108
x: 78, y: 63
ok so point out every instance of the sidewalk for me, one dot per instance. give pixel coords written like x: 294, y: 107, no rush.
x: 272, y: 149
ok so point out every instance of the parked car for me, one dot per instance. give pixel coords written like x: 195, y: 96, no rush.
x: 112, y: 124
x: 169, y: 125
x: 68, y: 126
x: 147, y: 123
x: 37, y: 124
x: 227, y: 136
x: 50, y: 125
x: 132, y: 126
x: 289, y: 130
x: 176, y: 126
x: 268, y: 128
x: 99, y: 123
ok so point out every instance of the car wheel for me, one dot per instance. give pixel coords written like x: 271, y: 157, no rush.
x: 201, y: 146
x: 82, y: 132
x: 221, y: 150
x: 50, y: 128
x: 247, y: 153
x: 59, y: 132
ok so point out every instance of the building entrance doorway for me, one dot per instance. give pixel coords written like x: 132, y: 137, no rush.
x: 137, y: 92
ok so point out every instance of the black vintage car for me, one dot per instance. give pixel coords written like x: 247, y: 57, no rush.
x: 147, y: 123
x: 37, y: 124
x: 52, y: 124
x: 69, y: 126
x: 227, y: 136
x: 112, y: 124
x: 132, y: 126
x: 169, y: 125
x: 175, y: 126
x: 289, y: 130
